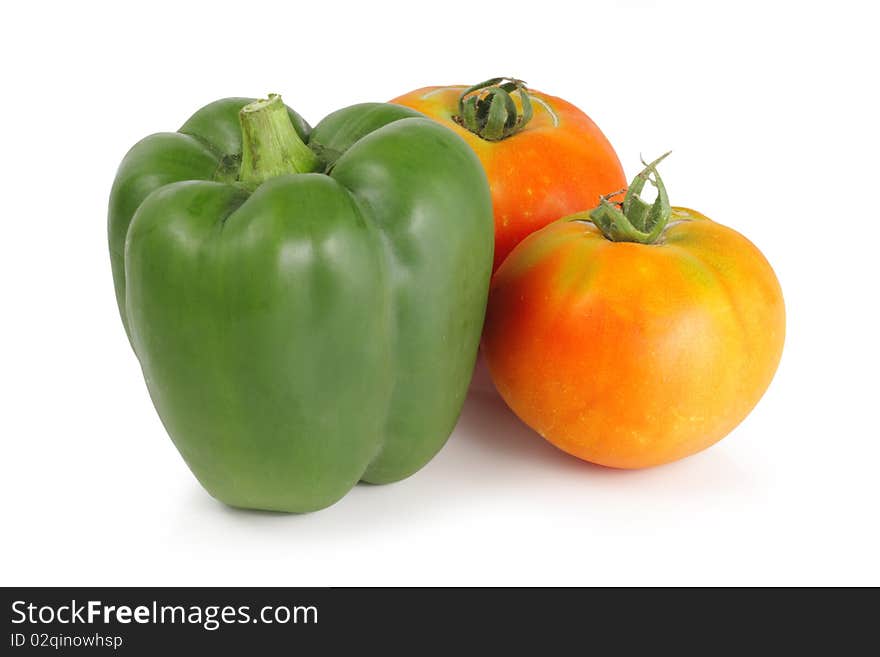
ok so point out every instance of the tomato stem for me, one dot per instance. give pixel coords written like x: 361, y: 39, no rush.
x: 270, y: 145
x: 488, y: 110
x: 634, y: 220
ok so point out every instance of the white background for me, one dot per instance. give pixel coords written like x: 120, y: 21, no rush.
x: 771, y: 113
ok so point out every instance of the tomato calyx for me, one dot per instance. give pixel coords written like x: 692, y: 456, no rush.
x: 634, y: 220
x: 488, y: 110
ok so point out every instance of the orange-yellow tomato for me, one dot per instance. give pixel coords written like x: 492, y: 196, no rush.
x: 558, y: 164
x: 632, y: 355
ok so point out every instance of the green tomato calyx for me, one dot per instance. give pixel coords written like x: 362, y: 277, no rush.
x: 488, y: 110
x: 634, y: 220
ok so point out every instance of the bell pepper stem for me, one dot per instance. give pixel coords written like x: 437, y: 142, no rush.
x: 270, y: 146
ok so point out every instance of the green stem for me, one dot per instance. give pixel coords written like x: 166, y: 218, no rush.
x: 270, y: 145
x: 487, y: 109
x: 634, y: 220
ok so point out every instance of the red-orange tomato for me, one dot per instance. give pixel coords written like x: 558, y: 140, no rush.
x: 632, y: 355
x: 558, y: 164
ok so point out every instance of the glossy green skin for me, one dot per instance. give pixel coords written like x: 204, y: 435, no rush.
x: 319, y: 331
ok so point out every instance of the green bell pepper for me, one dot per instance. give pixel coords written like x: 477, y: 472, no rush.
x: 306, y: 305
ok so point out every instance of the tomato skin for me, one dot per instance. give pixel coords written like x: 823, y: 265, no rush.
x: 631, y: 355
x: 559, y: 164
